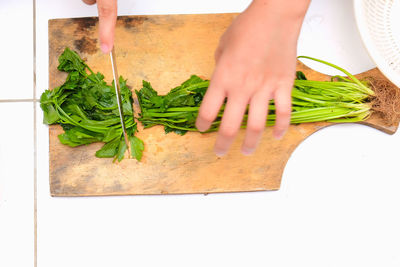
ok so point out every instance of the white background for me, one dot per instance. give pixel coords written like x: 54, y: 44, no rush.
x: 338, y: 204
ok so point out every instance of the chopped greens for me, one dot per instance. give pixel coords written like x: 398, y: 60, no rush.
x: 86, y: 107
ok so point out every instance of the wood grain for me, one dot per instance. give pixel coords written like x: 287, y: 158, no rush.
x: 165, y: 50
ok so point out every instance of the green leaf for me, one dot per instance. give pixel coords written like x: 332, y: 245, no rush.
x: 50, y: 114
x: 137, y: 147
x: 109, y: 150
x: 111, y: 134
x: 300, y: 75
x: 70, y: 61
x: 66, y: 140
x: 194, y: 79
x: 121, y: 150
x: 79, y: 136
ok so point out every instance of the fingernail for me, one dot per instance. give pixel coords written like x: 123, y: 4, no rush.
x: 201, y: 126
x: 247, y: 151
x: 279, y: 135
x: 104, y: 48
x: 219, y: 153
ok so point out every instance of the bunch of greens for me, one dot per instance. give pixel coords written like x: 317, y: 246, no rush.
x: 339, y: 100
x: 86, y: 107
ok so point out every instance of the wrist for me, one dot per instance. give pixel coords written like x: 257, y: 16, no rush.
x: 285, y: 15
x: 287, y: 9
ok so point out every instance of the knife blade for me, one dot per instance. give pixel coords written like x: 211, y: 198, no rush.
x: 118, y: 94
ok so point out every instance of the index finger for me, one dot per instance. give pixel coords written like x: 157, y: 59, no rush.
x: 107, y: 19
x: 89, y: 2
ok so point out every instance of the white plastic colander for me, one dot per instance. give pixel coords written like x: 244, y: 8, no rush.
x: 378, y: 22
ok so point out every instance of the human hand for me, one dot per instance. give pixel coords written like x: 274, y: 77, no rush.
x: 107, y: 18
x: 255, y: 62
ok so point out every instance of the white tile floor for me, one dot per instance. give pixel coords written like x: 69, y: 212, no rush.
x: 329, y: 211
x: 16, y: 24
x: 16, y: 184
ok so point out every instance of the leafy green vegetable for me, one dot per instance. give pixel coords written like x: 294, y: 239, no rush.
x: 109, y: 149
x: 340, y: 100
x: 177, y: 110
x: 86, y: 107
x: 300, y: 75
x: 137, y: 147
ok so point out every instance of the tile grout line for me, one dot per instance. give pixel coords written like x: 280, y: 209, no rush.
x: 28, y: 100
x: 34, y: 139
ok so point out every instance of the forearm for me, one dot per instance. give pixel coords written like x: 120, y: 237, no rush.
x: 286, y: 15
x: 290, y: 9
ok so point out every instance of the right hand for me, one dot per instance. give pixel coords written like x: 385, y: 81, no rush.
x: 107, y: 18
x: 255, y: 62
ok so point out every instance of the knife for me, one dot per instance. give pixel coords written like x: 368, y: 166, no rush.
x: 118, y: 94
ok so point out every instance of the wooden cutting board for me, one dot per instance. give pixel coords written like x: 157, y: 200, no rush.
x: 165, y: 50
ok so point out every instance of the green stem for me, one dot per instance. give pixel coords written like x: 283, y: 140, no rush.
x: 352, y: 77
